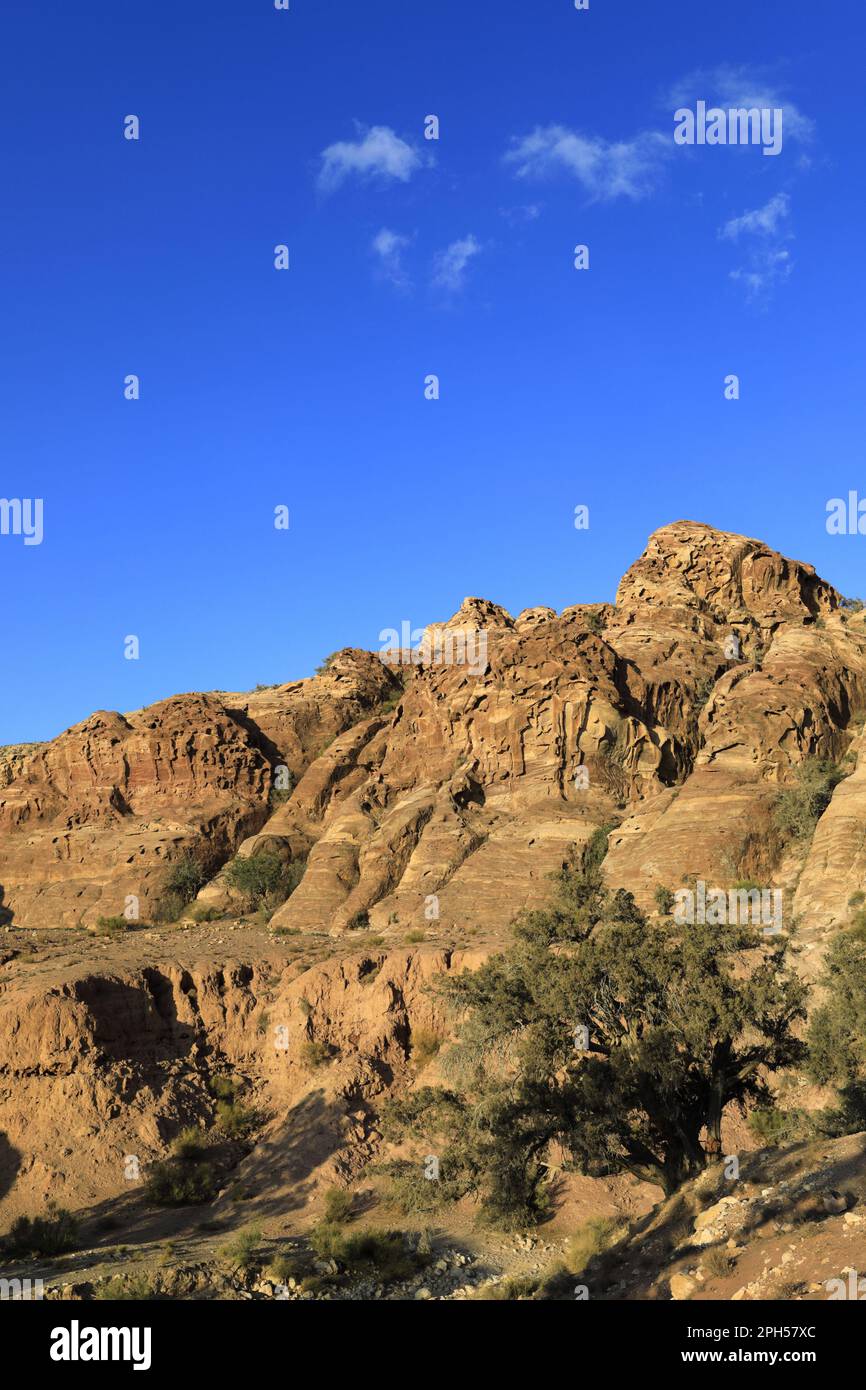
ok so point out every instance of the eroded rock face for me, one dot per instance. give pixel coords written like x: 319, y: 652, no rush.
x: 99, y: 815
x: 469, y: 796
x: 749, y: 652
x: 442, y: 792
x: 447, y: 785
x: 100, y: 1067
x: 835, y: 867
x: 722, y: 667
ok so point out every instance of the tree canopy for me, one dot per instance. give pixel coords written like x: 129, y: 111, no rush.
x: 604, y: 1042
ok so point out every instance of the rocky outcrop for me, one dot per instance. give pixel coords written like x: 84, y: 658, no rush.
x: 677, y: 714
x: 101, y: 1065
x: 92, y: 822
x: 834, y: 873
x: 445, y: 784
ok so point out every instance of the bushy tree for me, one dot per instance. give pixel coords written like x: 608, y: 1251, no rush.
x: 837, y: 1034
x: 801, y: 806
x: 264, y: 878
x: 664, y: 900
x: 42, y: 1236
x: 601, y: 1041
x: 185, y: 877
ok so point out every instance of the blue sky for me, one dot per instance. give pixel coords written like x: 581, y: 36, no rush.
x: 305, y: 387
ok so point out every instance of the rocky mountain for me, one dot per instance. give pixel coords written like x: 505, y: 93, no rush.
x: 102, y: 813
x: 453, y: 783
x: 423, y: 800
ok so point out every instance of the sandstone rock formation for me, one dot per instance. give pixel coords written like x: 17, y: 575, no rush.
x: 431, y: 793
x: 98, y: 1065
x: 721, y: 668
x: 100, y: 814
x: 448, y: 783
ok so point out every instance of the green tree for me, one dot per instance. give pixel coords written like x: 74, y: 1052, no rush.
x: 800, y: 807
x: 602, y: 1041
x: 664, y: 900
x: 264, y: 878
x: 837, y: 1034
x: 185, y: 877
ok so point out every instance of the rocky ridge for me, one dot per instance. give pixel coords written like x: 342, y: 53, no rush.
x: 427, y: 800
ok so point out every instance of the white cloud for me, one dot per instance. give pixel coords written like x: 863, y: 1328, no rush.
x: 730, y: 86
x: 765, y: 221
x: 765, y: 230
x: 377, y: 153
x: 449, y: 266
x: 389, y: 246
x: 766, y: 269
x: 606, y: 169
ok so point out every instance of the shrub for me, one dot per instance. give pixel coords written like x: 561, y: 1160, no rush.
x: 169, y: 908
x: 186, y: 877
x: 264, y: 880
x: 411, y: 1193
x: 135, y: 1287
x: 589, y: 1241
x: 857, y: 926
x: 799, y: 808
x: 508, y: 1290
x: 837, y: 1035
x: 189, y: 1144
x: 338, y: 1205
x: 664, y: 900
x: 382, y: 1252
x: 413, y: 938
x: 703, y: 690
x: 180, y: 1183
x: 56, y: 1233
x: 233, y: 1120
x: 718, y: 1263
x: 313, y: 1283
x: 327, y: 1239
x: 315, y: 1054
x: 774, y: 1126
x: 107, y: 926
x: 425, y: 1046
x: 837, y: 1032
x: 326, y: 664
x: 223, y: 1087
x: 244, y: 1252
x: 279, y: 795
x: 359, y: 921
x: 284, y: 1267
x: 201, y: 913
